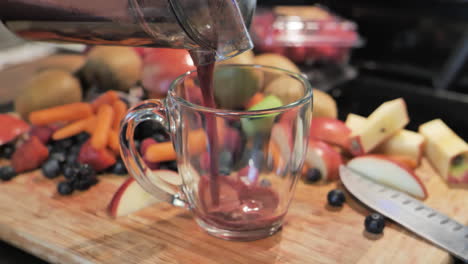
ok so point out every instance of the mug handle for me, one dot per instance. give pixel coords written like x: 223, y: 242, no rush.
x: 154, y: 111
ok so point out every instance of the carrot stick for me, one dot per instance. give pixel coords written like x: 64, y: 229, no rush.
x: 63, y: 113
x: 120, y: 109
x: 100, y: 135
x: 164, y: 151
x: 254, y: 100
x: 114, y: 141
x: 73, y: 128
x: 108, y: 97
x: 160, y: 152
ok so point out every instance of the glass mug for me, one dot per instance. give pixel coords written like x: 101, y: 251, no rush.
x: 237, y: 176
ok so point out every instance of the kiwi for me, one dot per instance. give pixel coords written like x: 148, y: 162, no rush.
x: 276, y: 60
x: 324, y: 105
x: 246, y: 57
x: 112, y: 68
x: 234, y: 86
x: 286, y: 88
x: 46, y: 89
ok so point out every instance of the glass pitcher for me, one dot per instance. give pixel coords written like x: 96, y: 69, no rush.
x: 218, y: 26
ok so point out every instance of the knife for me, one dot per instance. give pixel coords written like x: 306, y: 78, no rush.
x: 424, y: 221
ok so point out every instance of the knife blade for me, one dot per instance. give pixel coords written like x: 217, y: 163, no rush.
x: 424, y: 221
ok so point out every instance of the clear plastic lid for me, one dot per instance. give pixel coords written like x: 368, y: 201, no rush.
x: 303, y: 26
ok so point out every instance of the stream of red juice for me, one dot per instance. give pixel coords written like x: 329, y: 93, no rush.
x: 205, y: 76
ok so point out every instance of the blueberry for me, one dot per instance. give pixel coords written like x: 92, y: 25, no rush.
x: 51, y: 168
x: 60, y: 156
x: 81, y: 184
x: 64, y: 143
x: 71, y: 158
x: 313, y: 175
x: 374, y: 223
x: 7, y: 173
x: 81, y: 138
x: 119, y: 168
x: 169, y: 165
x: 336, y: 197
x: 86, y: 172
x: 161, y: 137
x: 65, y: 188
x: 70, y: 171
x: 7, y: 150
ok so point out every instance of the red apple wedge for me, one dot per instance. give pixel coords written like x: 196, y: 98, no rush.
x: 384, y: 122
x: 131, y: 197
x: 403, y: 143
x: 323, y: 157
x: 390, y: 173
x: 330, y: 130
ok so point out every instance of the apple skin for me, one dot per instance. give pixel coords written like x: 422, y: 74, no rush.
x: 322, y: 156
x: 145, y: 200
x: 373, y: 157
x: 330, y: 130
x: 161, y: 67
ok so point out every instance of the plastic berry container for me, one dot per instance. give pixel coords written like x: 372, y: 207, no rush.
x: 305, y: 34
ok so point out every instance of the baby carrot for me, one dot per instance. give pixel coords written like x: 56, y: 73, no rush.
x: 114, y: 141
x: 108, y: 97
x: 100, y: 135
x: 63, y: 113
x: 120, y: 109
x: 164, y: 151
x: 73, y: 128
x: 254, y: 100
x: 276, y: 155
x: 160, y: 152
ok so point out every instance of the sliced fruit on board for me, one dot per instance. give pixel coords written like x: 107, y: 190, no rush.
x: 12, y: 127
x: 29, y: 156
x: 446, y: 151
x: 330, y: 130
x: 130, y: 197
x: 404, y: 142
x: 390, y: 173
x: 383, y: 123
x: 322, y: 156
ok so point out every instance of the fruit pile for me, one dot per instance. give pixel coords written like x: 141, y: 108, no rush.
x: 77, y: 140
x: 380, y: 148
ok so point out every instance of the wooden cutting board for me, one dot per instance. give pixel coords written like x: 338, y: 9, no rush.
x: 76, y: 229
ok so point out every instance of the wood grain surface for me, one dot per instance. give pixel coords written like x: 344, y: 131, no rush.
x: 76, y: 229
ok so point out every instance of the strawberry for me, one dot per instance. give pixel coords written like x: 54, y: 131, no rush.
x: 43, y: 133
x: 12, y: 127
x: 30, y: 155
x: 98, y: 159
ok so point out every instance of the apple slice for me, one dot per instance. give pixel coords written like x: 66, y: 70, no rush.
x: 403, y: 143
x: 326, y: 159
x: 330, y: 130
x: 384, y: 122
x: 129, y: 198
x: 446, y: 151
x: 261, y: 123
x: 389, y: 172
